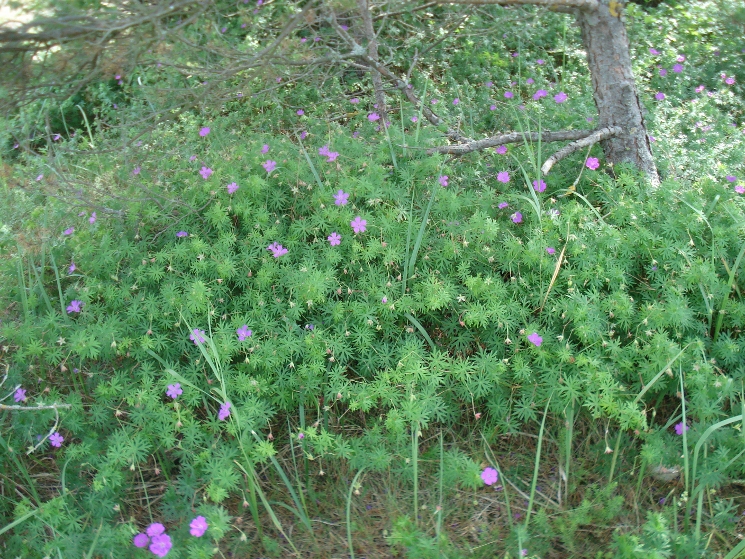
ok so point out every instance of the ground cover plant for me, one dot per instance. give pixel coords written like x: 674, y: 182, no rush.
x: 273, y: 325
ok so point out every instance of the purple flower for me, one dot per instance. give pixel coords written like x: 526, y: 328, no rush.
x: 489, y: 84
x: 265, y: 148
x: 243, y: 333
x: 300, y: 112
x: 205, y: 172
x: 490, y: 476
x: 56, y: 440
x: 92, y: 218
x: 501, y: 150
x: 678, y: 68
x: 197, y: 336
x: 530, y: 81
x: 539, y: 185
x: 540, y: 93
x: 74, y: 306
x: 680, y: 427
x: 730, y: 178
x: 354, y: 100
x: 334, y: 239
x: 516, y: 217
x: 372, y: 117
x: 39, y: 177
x: 414, y: 119
x: 659, y: 96
x: 182, y: 234
x: 136, y: 170
x: 654, y: 51
x: 332, y: 155
x: 224, y: 411
x: 141, y: 540
x: 174, y: 390
x: 492, y: 107
x: 71, y: 268
x: 560, y: 97
x: 503, y: 205
x: 592, y: 163
x: 68, y: 231
x: 340, y: 198
x: 700, y: 88
x: 456, y: 101
x: 740, y: 189
x: 277, y: 250
x: 160, y: 545
x: 204, y: 131
x: 509, y: 94
x: 198, y: 526
x: 681, y: 58
x: 443, y: 179
x: 540, y: 62
x: 433, y: 101
x: 359, y: 225
x: 20, y: 395
x: 730, y: 80
x: 232, y: 187
x: 384, y: 300
x: 551, y: 250
x: 269, y: 165
x: 301, y: 436
x: 663, y: 72
x: 504, y: 177
x: 223, y: 30
x: 535, y: 339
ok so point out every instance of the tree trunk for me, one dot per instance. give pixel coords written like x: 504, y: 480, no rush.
x: 614, y: 89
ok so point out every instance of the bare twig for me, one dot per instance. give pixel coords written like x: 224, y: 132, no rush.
x: 372, y: 52
x: 587, y: 5
x: 595, y: 137
x: 511, y: 138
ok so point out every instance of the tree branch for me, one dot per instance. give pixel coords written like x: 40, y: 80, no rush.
x: 372, y: 52
x: 585, y: 5
x: 511, y: 138
x: 595, y: 137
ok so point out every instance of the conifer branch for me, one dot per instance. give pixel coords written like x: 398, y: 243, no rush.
x: 595, y: 137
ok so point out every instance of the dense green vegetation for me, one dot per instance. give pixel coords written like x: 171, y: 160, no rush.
x: 274, y: 316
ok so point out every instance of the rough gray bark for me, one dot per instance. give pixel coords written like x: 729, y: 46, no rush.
x: 614, y: 89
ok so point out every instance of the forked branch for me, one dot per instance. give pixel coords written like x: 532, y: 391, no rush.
x: 595, y: 137
x: 585, y: 5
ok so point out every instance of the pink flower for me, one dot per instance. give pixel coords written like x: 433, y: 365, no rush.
x: 503, y: 205
x: 501, y: 150
x: 141, y: 540
x: 69, y: 231
x: 509, y: 94
x: 530, y: 81
x: 535, y: 339
x: 680, y: 427
x: 20, y: 395
x: 700, y: 88
x: 136, y: 170
x: 516, y: 217
x: 456, y: 101
x: 663, y: 72
x: 384, y: 300
x: 540, y: 62
x: 560, y: 97
x: 39, y: 177
x: 265, y: 148
x: 359, y: 225
x: 489, y: 476
x: 193, y: 158
x: 205, y: 172
x: 182, y: 234
x: 354, y: 100
x: 92, y: 218
x: 492, y: 107
x: 539, y: 185
x: 504, y: 177
x: 56, y: 440
x: 74, y: 306
x: 653, y: 51
x: 443, y: 180
x: 740, y: 189
x: 204, y: 131
x: 540, y: 93
x: 269, y: 165
x: 592, y: 163
x: 300, y: 112
x: 232, y: 187
x: 301, y: 436
x: 730, y: 178
x: 551, y: 250
x: 277, y: 250
x: 678, y: 68
x: 71, y: 268
x: 160, y: 545
x: 414, y: 119
x: 659, y: 96
x: 331, y: 155
x: 198, y: 526
x: 372, y: 117
x: 334, y: 239
x: 197, y: 336
x: 681, y: 58
x: 729, y: 81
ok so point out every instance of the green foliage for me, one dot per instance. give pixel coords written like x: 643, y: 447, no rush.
x: 629, y: 288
